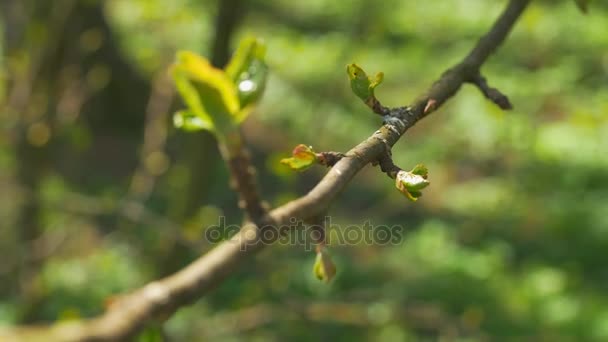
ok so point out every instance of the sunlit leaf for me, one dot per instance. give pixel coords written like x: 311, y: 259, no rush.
x: 420, y: 170
x: 188, y: 121
x: 410, y: 183
x: 208, y: 91
x: 376, y: 81
x: 190, y: 96
x: 363, y: 85
x: 324, y: 268
x: 302, y: 158
x: 249, y: 49
x: 248, y: 71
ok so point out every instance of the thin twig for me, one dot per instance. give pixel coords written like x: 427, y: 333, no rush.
x: 493, y: 94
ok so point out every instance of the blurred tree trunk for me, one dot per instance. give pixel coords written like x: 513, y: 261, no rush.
x: 75, y: 49
x: 201, y: 155
x: 113, y: 114
x: 31, y: 149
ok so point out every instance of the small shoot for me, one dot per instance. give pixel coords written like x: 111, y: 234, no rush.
x: 206, y: 90
x: 248, y: 70
x: 363, y: 85
x: 188, y: 121
x: 219, y: 100
x: 324, y: 268
x: 302, y: 158
x: 411, y: 183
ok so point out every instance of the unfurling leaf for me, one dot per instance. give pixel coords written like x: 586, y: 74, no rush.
x: 249, y: 49
x: 421, y: 170
x: 583, y: 5
x: 324, y: 268
x: 222, y: 99
x: 248, y: 71
x: 209, y: 93
x: 302, y: 158
x: 411, y: 183
x: 188, y: 121
x: 362, y: 85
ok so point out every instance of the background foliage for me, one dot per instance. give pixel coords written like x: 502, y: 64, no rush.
x: 99, y: 194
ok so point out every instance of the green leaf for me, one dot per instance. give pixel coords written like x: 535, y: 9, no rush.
x: 191, y: 98
x: 376, y: 81
x: 248, y: 71
x: 208, y: 91
x: 420, y: 170
x: 188, y: 121
x: 362, y: 85
x: 249, y: 49
x: 583, y: 5
x: 302, y: 158
x: 410, y: 183
x: 324, y: 268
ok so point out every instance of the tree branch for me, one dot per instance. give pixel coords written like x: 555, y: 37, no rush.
x: 159, y: 299
x: 493, y: 94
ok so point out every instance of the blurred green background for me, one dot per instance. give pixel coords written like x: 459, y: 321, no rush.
x: 100, y: 194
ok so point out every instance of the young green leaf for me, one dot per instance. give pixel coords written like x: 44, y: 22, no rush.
x: 302, y: 158
x: 421, y: 170
x: 248, y: 71
x: 362, y: 85
x: 324, y: 268
x: 188, y: 121
x: 411, y: 183
x: 191, y: 98
x: 249, y: 49
x: 208, y: 91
